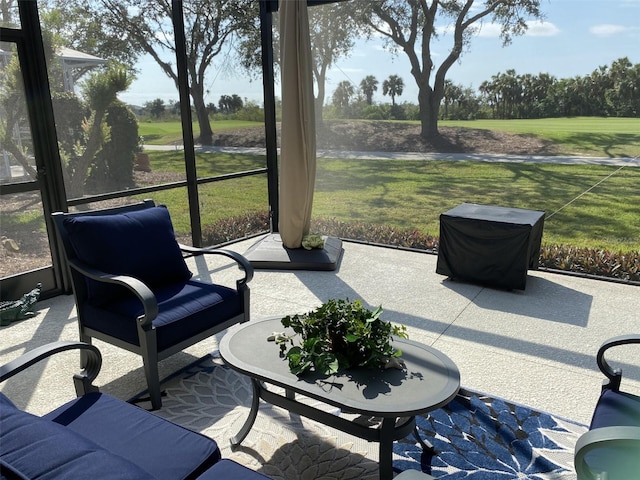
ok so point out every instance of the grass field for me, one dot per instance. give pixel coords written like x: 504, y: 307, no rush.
x: 592, y: 136
x: 413, y: 194
x: 586, y: 205
x: 170, y: 133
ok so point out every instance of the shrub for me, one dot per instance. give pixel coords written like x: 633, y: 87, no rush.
x: 113, y: 168
x: 375, y: 112
x: 373, y: 233
x: 233, y: 228
x: 70, y: 113
x: 589, y: 261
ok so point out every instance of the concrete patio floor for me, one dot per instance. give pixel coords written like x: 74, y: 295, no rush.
x: 536, y: 347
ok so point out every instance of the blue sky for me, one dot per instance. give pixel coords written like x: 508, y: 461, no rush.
x: 575, y: 38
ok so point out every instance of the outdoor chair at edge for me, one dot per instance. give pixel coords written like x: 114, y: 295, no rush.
x: 610, y: 450
x: 99, y: 436
x: 133, y: 289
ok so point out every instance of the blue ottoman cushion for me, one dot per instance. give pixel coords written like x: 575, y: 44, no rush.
x: 227, y: 469
x: 34, y: 448
x: 163, y: 449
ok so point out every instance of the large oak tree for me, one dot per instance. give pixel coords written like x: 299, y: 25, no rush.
x: 211, y: 27
x: 411, y: 26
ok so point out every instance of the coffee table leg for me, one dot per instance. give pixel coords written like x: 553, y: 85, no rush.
x: 253, y: 413
x: 426, y: 445
x: 386, y: 448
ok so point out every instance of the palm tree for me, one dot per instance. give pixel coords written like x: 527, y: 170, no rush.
x: 368, y: 85
x: 343, y: 93
x: 393, y: 86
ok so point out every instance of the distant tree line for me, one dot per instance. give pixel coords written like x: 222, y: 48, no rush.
x: 609, y: 91
x: 228, y: 107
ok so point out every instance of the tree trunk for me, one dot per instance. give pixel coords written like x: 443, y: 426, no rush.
x: 206, y: 133
x: 428, y: 114
x: 319, y: 100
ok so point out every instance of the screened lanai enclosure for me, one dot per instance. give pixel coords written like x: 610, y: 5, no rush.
x: 69, y: 143
x: 111, y: 102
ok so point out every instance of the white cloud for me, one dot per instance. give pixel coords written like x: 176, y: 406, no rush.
x: 542, y: 29
x: 534, y: 29
x: 608, y: 30
x: 488, y: 30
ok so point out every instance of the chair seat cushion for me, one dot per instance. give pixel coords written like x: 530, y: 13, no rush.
x: 35, y: 448
x: 139, y: 244
x: 616, y: 409
x: 161, y: 448
x: 184, y: 310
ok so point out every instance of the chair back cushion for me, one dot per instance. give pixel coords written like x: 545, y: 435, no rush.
x: 139, y: 244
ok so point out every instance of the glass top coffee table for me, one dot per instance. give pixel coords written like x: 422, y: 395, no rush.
x: 429, y: 381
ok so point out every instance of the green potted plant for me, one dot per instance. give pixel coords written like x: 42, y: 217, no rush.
x: 338, y: 335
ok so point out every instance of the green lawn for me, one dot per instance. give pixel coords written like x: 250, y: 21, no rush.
x: 170, y: 133
x: 412, y: 194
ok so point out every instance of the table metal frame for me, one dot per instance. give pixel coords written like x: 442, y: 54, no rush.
x: 396, y: 422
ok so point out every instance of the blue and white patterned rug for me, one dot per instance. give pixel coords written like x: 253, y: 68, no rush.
x: 476, y: 437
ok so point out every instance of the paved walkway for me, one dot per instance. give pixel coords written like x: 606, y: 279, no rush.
x: 477, y: 157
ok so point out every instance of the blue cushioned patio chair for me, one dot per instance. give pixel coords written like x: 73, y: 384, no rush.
x: 133, y: 289
x: 99, y: 436
x: 610, y: 450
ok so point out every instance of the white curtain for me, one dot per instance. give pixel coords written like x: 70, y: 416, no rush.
x: 298, y: 136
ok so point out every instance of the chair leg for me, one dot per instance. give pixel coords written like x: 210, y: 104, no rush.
x: 150, y: 361
x: 149, y: 352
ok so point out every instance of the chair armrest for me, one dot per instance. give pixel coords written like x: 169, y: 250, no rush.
x: 139, y: 289
x: 605, y: 437
x: 242, y: 262
x: 83, y: 380
x: 614, y: 375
